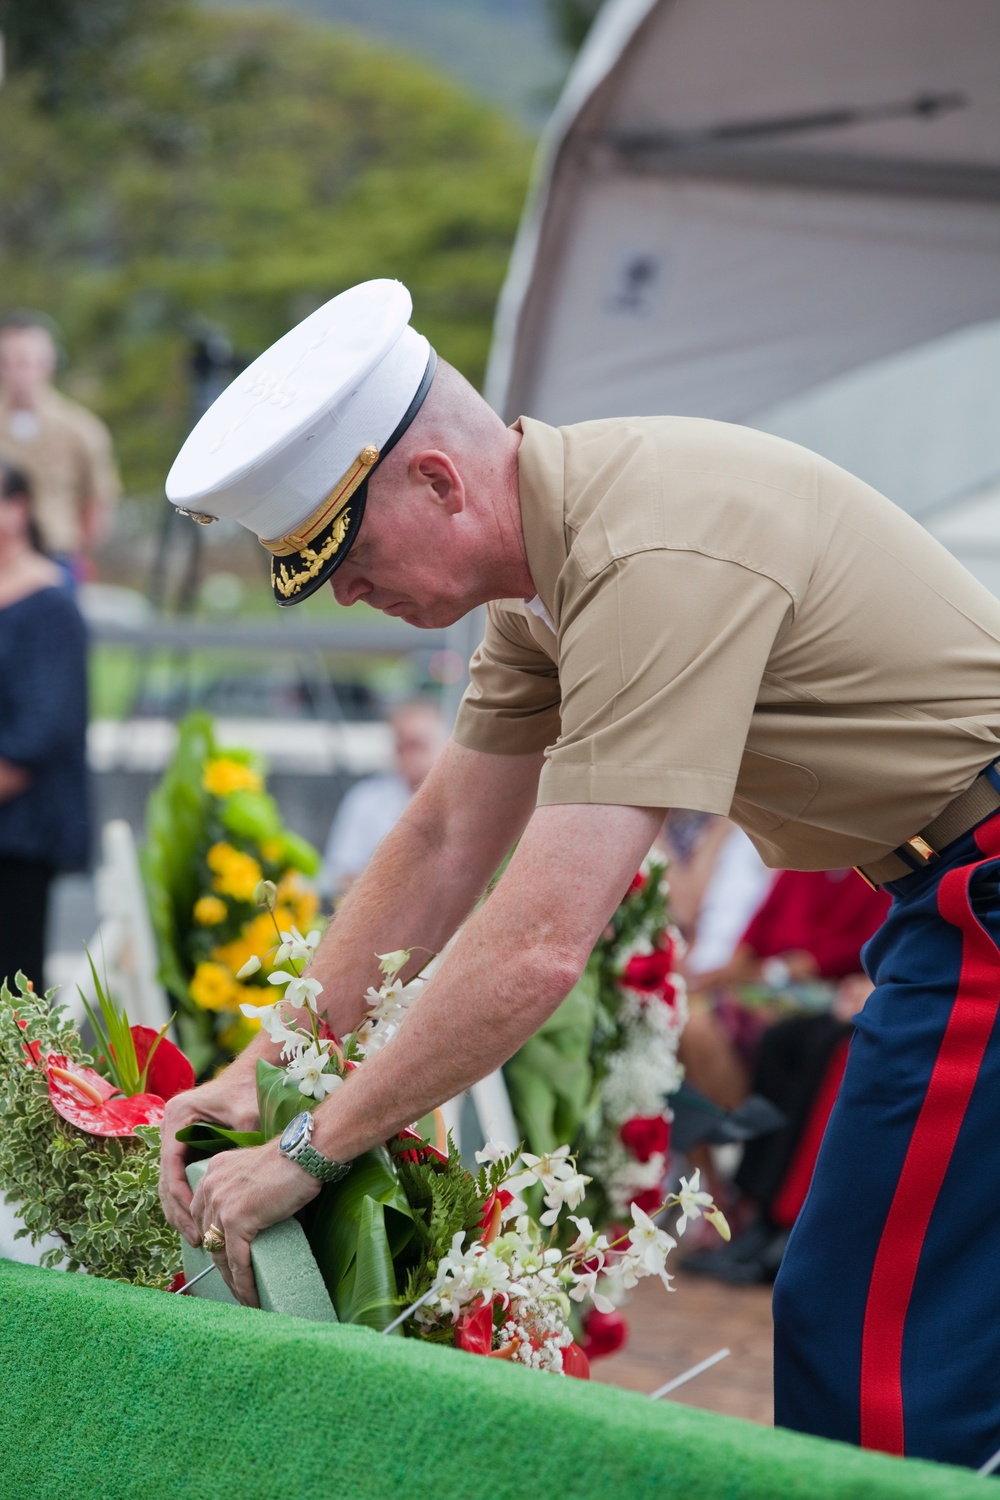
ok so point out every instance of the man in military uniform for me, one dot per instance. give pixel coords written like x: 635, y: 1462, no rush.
x: 63, y: 448
x: 681, y: 613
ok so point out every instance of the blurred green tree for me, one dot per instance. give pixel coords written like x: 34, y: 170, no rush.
x: 239, y: 169
x: 572, y: 19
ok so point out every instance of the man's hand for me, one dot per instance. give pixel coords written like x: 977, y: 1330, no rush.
x: 230, y: 1100
x: 241, y: 1193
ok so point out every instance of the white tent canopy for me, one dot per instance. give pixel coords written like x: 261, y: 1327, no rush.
x: 739, y: 203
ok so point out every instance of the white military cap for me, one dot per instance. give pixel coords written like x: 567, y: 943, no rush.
x: 288, y: 448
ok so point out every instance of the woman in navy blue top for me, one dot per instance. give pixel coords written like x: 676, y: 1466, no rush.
x: 44, y: 824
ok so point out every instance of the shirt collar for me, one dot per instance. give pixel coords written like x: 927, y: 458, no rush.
x: 542, y: 492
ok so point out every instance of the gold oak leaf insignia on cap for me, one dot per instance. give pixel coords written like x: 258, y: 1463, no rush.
x: 289, y: 583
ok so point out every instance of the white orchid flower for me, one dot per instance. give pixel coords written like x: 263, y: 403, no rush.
x: 296, y: 947
x: 492, y: 1152
x: 250, y: 967
x: 273, y: 1022
x: 299, y: 990
x: 586, y: 1286
x: 545, y: 1169
x: 692, y: 1200
x: 648, y: 1249
x: 308, y: 1071
x: 563, y: 1192
x: 391, y: 963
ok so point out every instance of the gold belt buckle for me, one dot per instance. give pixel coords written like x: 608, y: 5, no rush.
x: 922, y: 851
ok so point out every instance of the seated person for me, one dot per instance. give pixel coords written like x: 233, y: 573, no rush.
x: 811, y: 925
x: 373, y: 805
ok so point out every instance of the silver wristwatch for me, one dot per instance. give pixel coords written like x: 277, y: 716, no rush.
x: 296, y: 1144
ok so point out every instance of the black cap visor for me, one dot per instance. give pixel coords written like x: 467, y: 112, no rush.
x: 300, y: 574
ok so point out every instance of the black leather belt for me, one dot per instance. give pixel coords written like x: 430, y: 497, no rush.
x: 969, y: 808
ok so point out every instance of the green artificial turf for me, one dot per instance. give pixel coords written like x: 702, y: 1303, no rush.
x: 110, y: 1391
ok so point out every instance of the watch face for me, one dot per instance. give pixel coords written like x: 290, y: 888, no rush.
x: 294, y: 1132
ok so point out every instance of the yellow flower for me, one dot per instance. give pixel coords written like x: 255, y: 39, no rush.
x: 272, y: 850
x: 223, y: 777
x: 220, y: 856
x: 209, y: 911
x: 236, y: 874
x: 214, y: 988
x: 255, y: 941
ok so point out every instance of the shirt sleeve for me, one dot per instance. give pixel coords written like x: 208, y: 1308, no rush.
x: 660, y: 662
x: 100, y: 482
x: 511, y: 706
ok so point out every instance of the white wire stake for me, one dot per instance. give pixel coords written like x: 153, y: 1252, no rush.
x: 706, y: 1364
x: 391, y: 1328
x: 195, y: 1280
x: 991, y: 1465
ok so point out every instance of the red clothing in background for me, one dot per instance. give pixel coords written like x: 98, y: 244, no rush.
x: 828, y: 913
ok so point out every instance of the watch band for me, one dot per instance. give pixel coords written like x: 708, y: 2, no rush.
x: 318, y: 1165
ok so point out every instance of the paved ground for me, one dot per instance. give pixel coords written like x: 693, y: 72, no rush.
x: 670, y: 1332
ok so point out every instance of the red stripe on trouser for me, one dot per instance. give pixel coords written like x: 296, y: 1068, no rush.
x: 952, y: 1080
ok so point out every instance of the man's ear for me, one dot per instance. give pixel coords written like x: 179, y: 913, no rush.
x: 434, y: 471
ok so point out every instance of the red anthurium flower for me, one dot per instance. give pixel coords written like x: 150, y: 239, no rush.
x: 575, y: 1362
x: 170, y: 1072
x: 474, y: 1330
x: 603, y: 1334
x: 645, y: 1136
x: 649, y: 1200
x: 493, y: 1209
x: 86, y: 1100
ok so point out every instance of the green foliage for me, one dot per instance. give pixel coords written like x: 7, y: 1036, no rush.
x: 99, y: 1196
x: 175, y: 822
x: 72, y: 45
x: 551, y: 1078
x: 356, y: 1229
x: 572, y: 19
x: 241, y: 169
x: 183, y: 821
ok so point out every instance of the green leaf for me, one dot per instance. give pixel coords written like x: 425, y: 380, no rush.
x: 252, y: 815
x: 300, y: 854
x: 208, y: 1138
x: 278, y: 1100
x: 356, y: 1229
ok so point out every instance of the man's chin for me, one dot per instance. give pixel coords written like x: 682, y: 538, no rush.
x: 433, y: 617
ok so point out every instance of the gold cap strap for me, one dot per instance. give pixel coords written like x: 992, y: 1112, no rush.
x: 328, y: 508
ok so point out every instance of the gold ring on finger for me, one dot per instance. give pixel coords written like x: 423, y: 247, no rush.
x: 213, y: 1240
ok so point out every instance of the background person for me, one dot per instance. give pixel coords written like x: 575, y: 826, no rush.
x: 44, y: 825
x: 373, y: 805
x: 63, y: 449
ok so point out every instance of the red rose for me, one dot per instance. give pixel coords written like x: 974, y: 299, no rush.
x: 650, y: 1200
x: 603, y: 1333
x: 645, y: 1135
x: 648, y: 971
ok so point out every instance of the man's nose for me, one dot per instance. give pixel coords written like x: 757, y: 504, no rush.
x: 348, y: 588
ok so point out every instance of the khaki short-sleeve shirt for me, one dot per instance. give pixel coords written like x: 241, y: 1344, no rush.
x: 69, y: 463
x: 743, y: 628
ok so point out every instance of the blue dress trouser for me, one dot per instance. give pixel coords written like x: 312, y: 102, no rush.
x: 887, y: 1305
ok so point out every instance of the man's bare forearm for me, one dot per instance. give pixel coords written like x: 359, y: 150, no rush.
x: 424, y: 878
x: 426, y: 875
x: 509, y: 968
